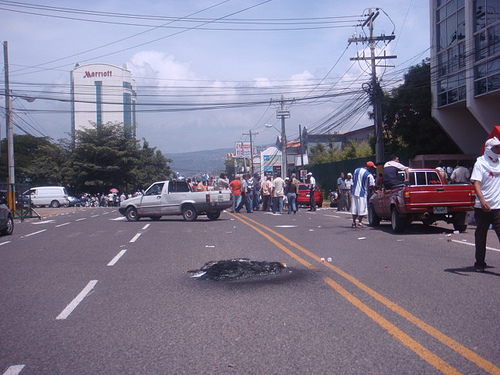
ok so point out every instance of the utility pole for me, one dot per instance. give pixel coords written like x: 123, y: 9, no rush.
x: 282, y: 114
x: 374, y: 87
x: 251, y: 148
x: 301, y: 148
x: 244, y: 159
x: 11, y: 195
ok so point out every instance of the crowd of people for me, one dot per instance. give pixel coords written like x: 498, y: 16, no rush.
x: 269, y: 194
x: 103, y: 200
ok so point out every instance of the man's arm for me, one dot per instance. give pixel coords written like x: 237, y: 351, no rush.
x: 485, y: 205
x: 407, y: 174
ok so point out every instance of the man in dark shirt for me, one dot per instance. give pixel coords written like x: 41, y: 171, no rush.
x: 390, y: 173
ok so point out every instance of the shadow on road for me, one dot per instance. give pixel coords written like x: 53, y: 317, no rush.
x: 465, y: 270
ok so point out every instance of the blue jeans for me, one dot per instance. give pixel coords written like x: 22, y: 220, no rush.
x: 278, y: 204
x: 236, y: 202
x: 256, y: 201
x: 292, y: 202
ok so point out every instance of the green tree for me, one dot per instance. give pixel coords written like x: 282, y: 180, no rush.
x: 409, y: 128
x: 103, y: 158
x: 322, y: 154
x: 37, y: 160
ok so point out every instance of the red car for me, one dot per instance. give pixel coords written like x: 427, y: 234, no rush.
x: 303, y: 195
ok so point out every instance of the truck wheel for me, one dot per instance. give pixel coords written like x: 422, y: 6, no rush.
x: 55, y: 204
x: 459, y: 221
x: 189, y: 213
x: 398, y: 222
x: 131, y: 214
x: 9, y: 228
x: 428, y: 221
x: 373, y: 218
x: 214, y: 215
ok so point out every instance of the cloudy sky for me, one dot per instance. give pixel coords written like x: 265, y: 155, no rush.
x: 208, y: 71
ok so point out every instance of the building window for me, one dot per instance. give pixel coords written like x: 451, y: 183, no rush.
x: 450, y: 17
x: 487, y: 12
x: 98, y: 101
x: 451, y: 51
x: 487, y: 76
x: 487, y: 46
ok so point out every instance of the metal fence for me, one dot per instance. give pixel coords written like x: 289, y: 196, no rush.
x: 19, y: 204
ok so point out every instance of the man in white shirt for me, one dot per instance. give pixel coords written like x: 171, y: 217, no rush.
x: 460, y: 175
x: 486, y: 179
x: 312, y: 188
x: 278, y: 194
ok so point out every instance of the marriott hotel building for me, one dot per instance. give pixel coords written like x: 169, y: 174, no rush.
x: 103, y: 93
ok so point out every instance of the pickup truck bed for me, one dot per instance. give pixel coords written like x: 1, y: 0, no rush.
x: 426, y: 198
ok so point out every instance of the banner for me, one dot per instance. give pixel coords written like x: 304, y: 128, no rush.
x: 242, y: 149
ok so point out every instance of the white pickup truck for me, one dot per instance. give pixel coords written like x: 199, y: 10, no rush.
x: 175, y: 198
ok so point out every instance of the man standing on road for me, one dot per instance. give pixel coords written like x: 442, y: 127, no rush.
x: 341, y: 190
x: 348, y: 189
x: 256, y: 191
x: 312, y: 187
x: 246, y: 190
x: 486, y: 179
x: 278, y: 194
x: 267, y: 188
x: 292, y: 188
x: 235, y: 187
x: 363, y: 181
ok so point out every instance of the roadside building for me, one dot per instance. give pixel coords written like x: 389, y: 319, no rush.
x: 465, y: 66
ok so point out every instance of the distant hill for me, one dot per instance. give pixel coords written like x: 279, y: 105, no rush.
x: 196, y: 163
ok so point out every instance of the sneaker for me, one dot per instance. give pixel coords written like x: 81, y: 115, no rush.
x: 479, y: 268
x: 361, y: 225
x: 353, y: 225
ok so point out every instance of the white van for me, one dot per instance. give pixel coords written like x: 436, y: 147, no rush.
x: 53, y: 196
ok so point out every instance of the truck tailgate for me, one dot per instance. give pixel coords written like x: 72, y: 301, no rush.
x: 440, y: 195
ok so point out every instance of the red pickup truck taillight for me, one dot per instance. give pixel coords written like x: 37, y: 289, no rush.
x: 207, y: 199
x: 406, y: 195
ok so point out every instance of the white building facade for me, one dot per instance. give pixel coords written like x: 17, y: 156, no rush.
x: 103, y: 93
x: 465, y: 69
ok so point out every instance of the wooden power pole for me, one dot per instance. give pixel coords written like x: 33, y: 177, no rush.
x: 374, y: 87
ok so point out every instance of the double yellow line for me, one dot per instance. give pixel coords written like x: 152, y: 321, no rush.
x: 398, y: 334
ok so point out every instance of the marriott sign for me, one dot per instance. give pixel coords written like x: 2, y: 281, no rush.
x: 88, y: 74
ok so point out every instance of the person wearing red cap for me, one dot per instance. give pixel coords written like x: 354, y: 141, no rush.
x: 363, y: 180
x: 486, y: 179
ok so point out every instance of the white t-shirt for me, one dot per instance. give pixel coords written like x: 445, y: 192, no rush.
x: 278, y: 184
x: 490, y: 183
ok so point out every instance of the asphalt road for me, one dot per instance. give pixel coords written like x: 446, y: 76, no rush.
x: 86, y: 292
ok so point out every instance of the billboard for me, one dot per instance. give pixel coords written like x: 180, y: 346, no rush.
x: 242, y: 150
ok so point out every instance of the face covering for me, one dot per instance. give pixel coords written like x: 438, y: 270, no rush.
x: 488, y: 152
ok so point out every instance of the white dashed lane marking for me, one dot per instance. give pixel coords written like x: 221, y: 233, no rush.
x: 79, y: 298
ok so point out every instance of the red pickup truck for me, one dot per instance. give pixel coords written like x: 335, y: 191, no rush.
x: 427, y: 198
